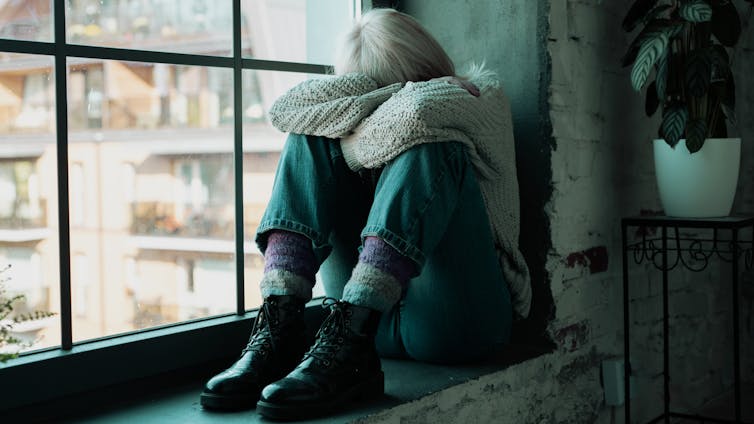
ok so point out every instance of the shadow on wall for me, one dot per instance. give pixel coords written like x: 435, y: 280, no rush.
x: 472, y: 31
x: 534, y: 145
x: 533, y: 154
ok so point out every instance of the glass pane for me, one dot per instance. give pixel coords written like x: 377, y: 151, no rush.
x: 152, y: 199
x: 309, y: 34
x: 26, y: 20
x: 183, y: 26
x: 262, y: 144
x: 28, y: 195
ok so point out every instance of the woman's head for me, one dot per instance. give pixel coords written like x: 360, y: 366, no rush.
x: 390, y: 46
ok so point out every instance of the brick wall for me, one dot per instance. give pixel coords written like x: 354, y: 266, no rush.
x: 603, y: 170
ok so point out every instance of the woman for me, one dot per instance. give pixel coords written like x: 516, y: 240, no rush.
x: 398, y: 183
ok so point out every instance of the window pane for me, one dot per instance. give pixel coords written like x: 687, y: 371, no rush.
x: 152, y: 199
x: 262, y: 144
x: 309, y: 34
x: 184, y: 26
x: 26, y: 20
x: 28, y: 194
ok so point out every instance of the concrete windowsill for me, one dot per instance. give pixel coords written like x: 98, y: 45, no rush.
x: 405, y: 381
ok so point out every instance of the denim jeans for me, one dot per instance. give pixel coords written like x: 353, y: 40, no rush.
x: 425, y: 203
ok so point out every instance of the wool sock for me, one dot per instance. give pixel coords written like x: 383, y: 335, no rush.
x: 289, y: 266
x: 380, y: 276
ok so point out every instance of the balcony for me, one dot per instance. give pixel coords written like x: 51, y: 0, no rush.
x: 157, y: 226
x: 181, y: 27
x: 25, y: 223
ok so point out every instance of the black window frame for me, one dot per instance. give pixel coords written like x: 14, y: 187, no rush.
x: 45, y: 375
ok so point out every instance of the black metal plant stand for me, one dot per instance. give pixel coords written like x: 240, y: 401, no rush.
x: 693, y: 254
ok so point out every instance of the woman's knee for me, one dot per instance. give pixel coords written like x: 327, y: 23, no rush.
x: 301, y: 146
x: 450, y: 152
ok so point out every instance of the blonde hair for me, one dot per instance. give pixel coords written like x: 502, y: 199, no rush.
x: 390, y: 46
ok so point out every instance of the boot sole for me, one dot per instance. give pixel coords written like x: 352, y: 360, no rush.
x: 227, y: 403
x: 369, y: 389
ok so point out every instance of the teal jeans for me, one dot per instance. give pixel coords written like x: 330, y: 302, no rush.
x: 426, y: 203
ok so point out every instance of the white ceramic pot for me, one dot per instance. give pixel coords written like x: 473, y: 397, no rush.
x: 699, y: 185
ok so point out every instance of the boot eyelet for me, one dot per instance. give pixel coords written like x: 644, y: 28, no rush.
x: 326, y: 362
x: 340, y: 340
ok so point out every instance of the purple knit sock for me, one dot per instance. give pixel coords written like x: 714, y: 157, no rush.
x: 380, y: 277
x: 379, y: 254
x: 291, y: 252
x: 289, y: 266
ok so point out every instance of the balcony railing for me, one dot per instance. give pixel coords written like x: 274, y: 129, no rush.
x: 125, y: 25
x: 159, y: 219
x: 26, y: 217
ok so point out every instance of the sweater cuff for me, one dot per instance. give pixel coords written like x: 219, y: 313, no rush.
x: 348, y: 146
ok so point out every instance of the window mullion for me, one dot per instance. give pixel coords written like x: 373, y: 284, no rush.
x: 61, y: 123
x: 275, y: 65
x: 238, y: 157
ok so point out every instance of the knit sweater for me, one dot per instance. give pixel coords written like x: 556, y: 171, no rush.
x: 375, y: 124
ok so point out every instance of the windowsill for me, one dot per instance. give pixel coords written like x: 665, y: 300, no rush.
x: 53, y: 374
x: 405, y: 381
x: 160, y: 372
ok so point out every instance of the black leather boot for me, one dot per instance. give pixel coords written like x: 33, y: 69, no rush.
x: 343, y: 365
x: 276, y: 346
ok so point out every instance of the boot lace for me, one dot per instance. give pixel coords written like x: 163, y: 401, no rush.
x: 329, y: 338
x: 262, y: 339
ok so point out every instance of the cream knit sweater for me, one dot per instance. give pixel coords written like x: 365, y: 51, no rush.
x: 376, y: 124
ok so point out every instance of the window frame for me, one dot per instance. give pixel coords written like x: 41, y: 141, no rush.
x: 78, y: 367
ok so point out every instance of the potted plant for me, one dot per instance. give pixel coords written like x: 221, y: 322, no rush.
x: 684, y: 45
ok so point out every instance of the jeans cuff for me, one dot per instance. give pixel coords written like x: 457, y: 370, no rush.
x: 403, y: 246
x: 318, y: 241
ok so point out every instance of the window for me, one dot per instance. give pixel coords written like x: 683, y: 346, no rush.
x: 77, y: 191
x: 19, y: 193
x: 161, y: 136
x: 81, y: 279
x: 28, y: 189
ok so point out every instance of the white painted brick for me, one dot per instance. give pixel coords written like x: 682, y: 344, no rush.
x: 588, y: 23
x: 581, y: 126
x: 558, y: 22
x: 581, y: 156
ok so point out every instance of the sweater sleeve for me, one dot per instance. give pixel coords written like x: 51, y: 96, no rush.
x: 329, y: 107
x: 426, y: 112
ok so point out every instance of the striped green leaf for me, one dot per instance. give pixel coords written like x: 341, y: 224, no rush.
x: 636, y: 13
x: 674, y: 119
x: 651, y: 50
x: 720, y: 57
x: 730, y: 92
x: 729, y: 112
x: 650, y: 28
x: 696, y: 11
x: 698, y: 71
x: 661, y: 78
x: 696, y: 133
